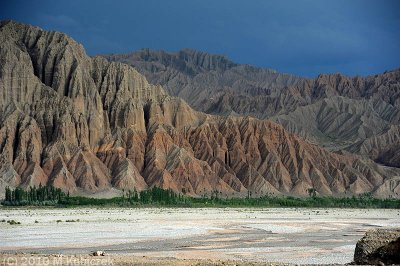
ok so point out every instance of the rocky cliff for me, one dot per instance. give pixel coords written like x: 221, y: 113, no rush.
x: 88, y: 125
x: 360, y: 115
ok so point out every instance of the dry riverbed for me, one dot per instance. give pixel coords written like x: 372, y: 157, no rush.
x: 188, y: 236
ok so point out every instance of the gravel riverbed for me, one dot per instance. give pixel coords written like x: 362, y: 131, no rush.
x: 257, y: 235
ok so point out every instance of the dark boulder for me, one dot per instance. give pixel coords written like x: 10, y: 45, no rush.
x: 377, y: 247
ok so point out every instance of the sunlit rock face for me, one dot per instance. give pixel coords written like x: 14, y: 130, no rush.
x: 87, y: 125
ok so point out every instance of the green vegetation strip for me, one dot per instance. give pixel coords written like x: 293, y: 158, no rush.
x: 157, y: 197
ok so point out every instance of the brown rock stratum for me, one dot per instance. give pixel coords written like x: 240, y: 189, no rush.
x: 86, y: 125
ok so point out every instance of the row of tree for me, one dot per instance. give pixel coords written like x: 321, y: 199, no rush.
x: 48, y: 195
x: 155, y: 195
x: 33, y: 195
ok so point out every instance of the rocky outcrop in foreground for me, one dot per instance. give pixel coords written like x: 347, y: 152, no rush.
x: 87, y: 125
x: 378, y: 247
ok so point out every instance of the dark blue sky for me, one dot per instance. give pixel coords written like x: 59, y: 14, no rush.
x: 300, y: 37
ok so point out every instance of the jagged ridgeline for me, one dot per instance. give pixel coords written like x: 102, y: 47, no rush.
x: 357, y: 114
x: 87, y: 125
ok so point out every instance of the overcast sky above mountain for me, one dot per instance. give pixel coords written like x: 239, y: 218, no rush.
x: 299, y: 37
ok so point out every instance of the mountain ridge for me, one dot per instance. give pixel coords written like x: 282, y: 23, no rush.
x: 88, y: 125
x: 362, y: 110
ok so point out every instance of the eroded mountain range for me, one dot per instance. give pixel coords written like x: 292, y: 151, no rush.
x: 89, y: 125
x: 355, y: 114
